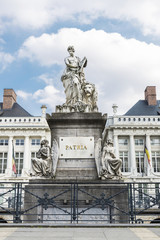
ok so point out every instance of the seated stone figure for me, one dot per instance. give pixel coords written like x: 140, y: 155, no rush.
x: 42, y: 164
x: 111, y: 166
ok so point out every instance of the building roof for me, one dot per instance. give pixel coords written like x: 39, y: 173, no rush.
x: 15, y: 111
x: 141, y: 108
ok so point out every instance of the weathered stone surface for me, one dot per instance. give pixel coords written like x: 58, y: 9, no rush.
x: 76, y: 125
x: 76, y: 147
x: 109, y: 199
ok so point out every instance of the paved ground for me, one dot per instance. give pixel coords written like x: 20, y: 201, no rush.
x: 67, y: 233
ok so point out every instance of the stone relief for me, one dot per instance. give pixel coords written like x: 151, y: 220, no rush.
x: 81, y: 96
x: 108, y: 165
x: 45, y: 163
x: 54, y: 154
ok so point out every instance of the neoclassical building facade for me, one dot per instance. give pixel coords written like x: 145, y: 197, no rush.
x: 20, y: 135
x: 131, y: 132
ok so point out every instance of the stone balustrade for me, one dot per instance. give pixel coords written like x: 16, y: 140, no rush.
x: 133, y: 120
x: 7, y: 121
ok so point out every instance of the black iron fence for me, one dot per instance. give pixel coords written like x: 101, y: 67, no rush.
x: 79, y: 202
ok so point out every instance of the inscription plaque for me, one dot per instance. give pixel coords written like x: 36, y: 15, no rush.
x: 76, y: 147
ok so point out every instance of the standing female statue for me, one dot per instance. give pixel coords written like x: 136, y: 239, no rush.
x: 73, y: 77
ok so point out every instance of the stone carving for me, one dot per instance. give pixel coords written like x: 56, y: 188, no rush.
x: 89, y: 96
x: 54, y: 153
x: 81, y: 96
x: 42, y: 165
x: 98, y: 154
x: 73, y: 77
x: 108, y: 166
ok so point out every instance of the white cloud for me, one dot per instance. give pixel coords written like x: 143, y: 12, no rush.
x: 50, y: 96
x: 39, y: 14
x: 46, y: 79
x: 23, y: 95
x: 40, y: 52
x: 121, y: 68
x: 5, y: 60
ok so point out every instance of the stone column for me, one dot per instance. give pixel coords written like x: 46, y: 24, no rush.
x: 116, y: 146
x: 148, y: 145
x: 132, y: 156
x: 8, y: 171
x: 26, y: 160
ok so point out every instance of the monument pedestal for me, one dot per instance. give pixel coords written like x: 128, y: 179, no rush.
x: 53, y: 201
x: 82, y: 127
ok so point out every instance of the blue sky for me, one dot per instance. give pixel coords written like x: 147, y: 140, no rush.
x: 120, y: 38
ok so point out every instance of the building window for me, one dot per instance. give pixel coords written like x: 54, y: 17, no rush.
x: 139, y: 141
x: 156, y: 161
x: 35, y: 141
x: 140, y: 162
x: 124, y: 158
x: 3, y: 142
x: 19, y: 141
x: 155, y: 141
x: 3, y: 162
x: 19, y: 162
x: 33, y: 155
x: 123, y: 141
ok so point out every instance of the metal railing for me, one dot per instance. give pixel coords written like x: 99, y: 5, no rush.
x: 79, y: 202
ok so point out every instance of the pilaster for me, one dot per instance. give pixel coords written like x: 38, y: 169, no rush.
x: 26, y: 160
x: 132, y: 156
x: 116, y: 146
x: 8, y: 171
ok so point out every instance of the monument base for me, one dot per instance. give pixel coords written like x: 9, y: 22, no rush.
x: 76, y: 125
x: 48, y: 201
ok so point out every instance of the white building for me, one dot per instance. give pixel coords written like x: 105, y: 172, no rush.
x: 20, y: 133
x: 140, y: 126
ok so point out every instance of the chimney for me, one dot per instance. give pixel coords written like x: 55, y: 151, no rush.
x: 150, y: 95
x: 9, y: 98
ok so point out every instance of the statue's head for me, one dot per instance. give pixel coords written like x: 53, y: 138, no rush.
x: 70, y: 49
x: 110, y: 142
x: 44, y: 142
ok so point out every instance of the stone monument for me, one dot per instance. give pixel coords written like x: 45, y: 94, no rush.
x: 80, y: 150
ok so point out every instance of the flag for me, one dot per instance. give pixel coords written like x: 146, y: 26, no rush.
x: 148, y: 156
x: 13, y: 162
